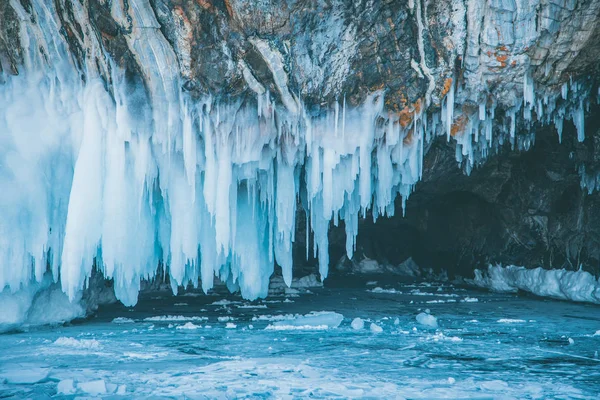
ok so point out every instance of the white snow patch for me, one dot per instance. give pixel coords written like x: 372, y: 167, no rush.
x: 252, y: 306
x: 440, y: 301
x: 382, y: 290
x: 188, y: 326
x: 174, y: 318
x: 77, y: 343
x: 275, y: 317
x: 417, y: 292
x: 470, y: 300
x: 224, y: 302
x: 440, y: 337
x: 122, y: 320
x: 296, y: 327
x: 555, y: 283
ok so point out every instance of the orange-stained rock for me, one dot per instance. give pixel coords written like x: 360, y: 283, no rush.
x: 502, y: 60
x: 229, y: 8
x: 406, y: 115
x: 408, y: 139
x: 447, y: 85
x: 458, y: 125
x: 204, y: 4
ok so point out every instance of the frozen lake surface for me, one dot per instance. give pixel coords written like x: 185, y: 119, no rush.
x: 385, y: 340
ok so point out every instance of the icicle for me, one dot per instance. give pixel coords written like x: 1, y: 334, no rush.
x: 528, y: 96
x: 448, y: 111
x: 578, y: 116
x: 558, y: 123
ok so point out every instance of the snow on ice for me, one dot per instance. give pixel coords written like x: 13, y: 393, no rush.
x: 557, y: 283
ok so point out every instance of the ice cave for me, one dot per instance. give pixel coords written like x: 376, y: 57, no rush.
x: 300, y: 199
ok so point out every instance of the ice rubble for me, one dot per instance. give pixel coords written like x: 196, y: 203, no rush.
x: 102, y: 172
x: 320, y: 320
x: 556, y: 283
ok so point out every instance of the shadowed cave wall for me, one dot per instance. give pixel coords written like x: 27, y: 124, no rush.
x: 524, y: 208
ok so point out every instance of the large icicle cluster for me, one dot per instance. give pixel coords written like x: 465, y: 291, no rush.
x: 111, y: 176
x: 87, y: 176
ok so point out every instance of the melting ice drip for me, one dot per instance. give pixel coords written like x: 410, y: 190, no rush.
x: 111, y: 175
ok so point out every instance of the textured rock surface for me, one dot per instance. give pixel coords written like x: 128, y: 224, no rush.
x: 477, y: 58
x: 334, y: 49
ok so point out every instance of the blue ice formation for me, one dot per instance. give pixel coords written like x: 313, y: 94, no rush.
x: 101, y: 171
x: 128, y: 178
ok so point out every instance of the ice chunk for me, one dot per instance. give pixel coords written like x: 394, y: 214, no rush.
x: 93, y: 387
x: 23, y: 374
x: 427, y: 319
x: 308, y: 281
x: 66, y: 386
x: 511, y: 321
x: 313, y: 320
x: 230, y: 325
x: 470, y: 300
x: 375, y: 328
x: 357, y: 324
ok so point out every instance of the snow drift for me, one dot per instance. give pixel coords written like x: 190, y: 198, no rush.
x: 556, y: 283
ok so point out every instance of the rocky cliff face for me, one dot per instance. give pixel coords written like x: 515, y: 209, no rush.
x: 489, y: 86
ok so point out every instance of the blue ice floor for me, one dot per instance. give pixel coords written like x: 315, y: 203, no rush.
x: 487, y: 346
